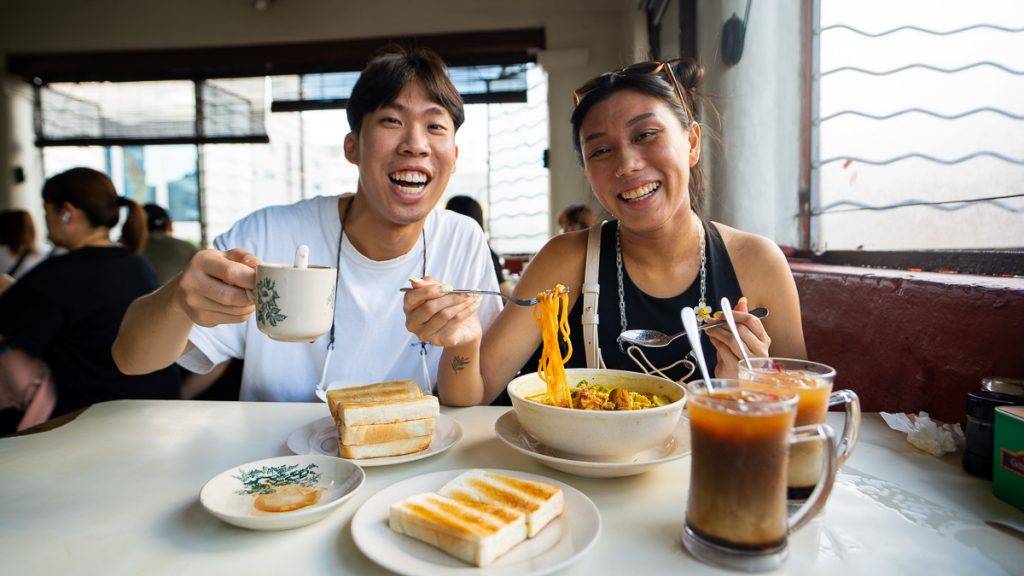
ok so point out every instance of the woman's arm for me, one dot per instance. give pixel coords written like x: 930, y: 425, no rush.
x: 210, y: 291
x: 766, y: 280
x: 514, y: 336
x: 6, y: 281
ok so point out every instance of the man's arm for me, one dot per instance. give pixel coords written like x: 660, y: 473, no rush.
x: 210, y: 291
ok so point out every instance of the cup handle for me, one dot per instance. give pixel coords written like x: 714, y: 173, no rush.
x: 826, y: 435
x: 851, y: 427
x: 252, y: 296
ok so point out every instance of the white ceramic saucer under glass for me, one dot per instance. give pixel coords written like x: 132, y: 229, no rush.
x: 675, y: 447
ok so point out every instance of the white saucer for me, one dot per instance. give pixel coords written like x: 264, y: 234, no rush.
x: 565, y: 540
x: 321, y: 437
x: 229, y: 497
x: 675, y: 447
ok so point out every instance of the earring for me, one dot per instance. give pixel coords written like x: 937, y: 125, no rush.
x: 65, y: 217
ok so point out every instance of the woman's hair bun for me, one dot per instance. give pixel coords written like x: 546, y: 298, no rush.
x: 690, y: 73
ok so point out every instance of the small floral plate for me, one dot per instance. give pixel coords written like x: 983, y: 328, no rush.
x: 281, y: 493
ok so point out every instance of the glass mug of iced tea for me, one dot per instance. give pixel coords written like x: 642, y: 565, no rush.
x: 813, y: 384
x: 740, y: 437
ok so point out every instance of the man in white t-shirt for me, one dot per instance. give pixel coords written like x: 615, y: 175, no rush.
x: 403, y: 113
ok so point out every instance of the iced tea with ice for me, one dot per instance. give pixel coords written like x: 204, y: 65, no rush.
x: 741, y: 434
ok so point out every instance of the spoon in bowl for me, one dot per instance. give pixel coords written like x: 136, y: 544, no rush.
x: 693, y: 335
x: 727, y: 312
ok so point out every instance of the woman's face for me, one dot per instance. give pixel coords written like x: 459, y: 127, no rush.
x: 637, y: 159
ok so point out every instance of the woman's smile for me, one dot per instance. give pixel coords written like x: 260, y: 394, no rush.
x: 641, y: 192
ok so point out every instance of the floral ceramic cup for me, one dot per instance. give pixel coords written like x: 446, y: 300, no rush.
x: 294, y: 304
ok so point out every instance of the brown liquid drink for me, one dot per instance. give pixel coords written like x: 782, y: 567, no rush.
x: 805, y: 459
x: 741, y: 434
x: 813, y: 384
x: 738, y: 467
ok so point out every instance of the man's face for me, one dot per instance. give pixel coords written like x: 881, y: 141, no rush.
x: 406, y: 153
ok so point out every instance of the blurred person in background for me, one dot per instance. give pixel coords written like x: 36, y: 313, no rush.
x: 19, y: 251
x: 576, y: 217
x: 168, y: 255
x: 58, y: 322
x: 469, y: 207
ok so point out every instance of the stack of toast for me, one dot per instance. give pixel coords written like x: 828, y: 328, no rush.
x: 385, y: 419
x: 479, y: 515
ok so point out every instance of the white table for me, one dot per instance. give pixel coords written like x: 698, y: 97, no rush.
x: 116, y: 492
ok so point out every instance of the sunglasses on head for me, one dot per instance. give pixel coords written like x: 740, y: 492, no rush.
x: 652, y: 68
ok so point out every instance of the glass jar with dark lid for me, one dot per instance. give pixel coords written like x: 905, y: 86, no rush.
x: 1010, y: 386
x: 981, y: 407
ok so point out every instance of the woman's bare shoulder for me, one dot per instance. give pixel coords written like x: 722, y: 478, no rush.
x: 562, y: 259
x: 747, y: 249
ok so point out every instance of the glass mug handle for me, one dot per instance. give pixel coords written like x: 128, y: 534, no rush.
x: 851, y: 427
x: 826, y: 435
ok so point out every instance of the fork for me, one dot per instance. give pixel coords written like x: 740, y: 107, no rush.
x: 517, y: 301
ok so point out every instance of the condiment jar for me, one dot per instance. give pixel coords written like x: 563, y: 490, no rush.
x: 981, y: 407
x: 1010, y: 386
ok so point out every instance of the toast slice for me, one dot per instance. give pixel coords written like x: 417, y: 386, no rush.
x: 380, y: 392
x: 381, y: 449
x: 540, y: 502
x: 361, y: 413
x: 474, y: 532
x: 377, y: 433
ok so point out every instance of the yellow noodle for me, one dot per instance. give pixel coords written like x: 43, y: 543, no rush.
x: 552, y: 316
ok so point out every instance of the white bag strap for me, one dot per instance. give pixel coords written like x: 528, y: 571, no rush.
x: 591, y: 291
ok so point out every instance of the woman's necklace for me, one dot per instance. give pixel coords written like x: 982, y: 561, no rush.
x: 703, y: 311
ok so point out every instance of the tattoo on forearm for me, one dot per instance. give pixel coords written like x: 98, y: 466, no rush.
x: 459, y: 362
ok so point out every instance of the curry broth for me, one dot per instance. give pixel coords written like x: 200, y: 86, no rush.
x: 586, y: 395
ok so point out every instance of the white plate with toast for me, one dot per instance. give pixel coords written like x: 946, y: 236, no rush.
x: 281, y: 493
x: 321, y: 437
x: 565, y: 540
x: 676, y: 446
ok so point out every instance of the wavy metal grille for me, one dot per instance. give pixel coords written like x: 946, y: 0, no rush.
x: 518, y: 180
x: 916, y: 122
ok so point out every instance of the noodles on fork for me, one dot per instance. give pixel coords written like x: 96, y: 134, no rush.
x: 552, y: 316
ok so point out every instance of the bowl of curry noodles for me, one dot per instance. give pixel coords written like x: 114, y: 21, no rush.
x: 600, y: 415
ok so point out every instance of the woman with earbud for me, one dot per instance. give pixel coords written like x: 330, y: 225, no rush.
x: 58, y: 322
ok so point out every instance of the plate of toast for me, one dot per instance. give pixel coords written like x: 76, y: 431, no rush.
x: 478, y: 522
x: 378, y: 424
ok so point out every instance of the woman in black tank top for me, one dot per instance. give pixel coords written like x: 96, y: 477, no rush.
x: 649, y: 312
x: 636, y: 134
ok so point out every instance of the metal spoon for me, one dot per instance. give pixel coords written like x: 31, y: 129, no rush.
x: 693, y: 335
x: 655, y: 339
x: 727, y: 312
